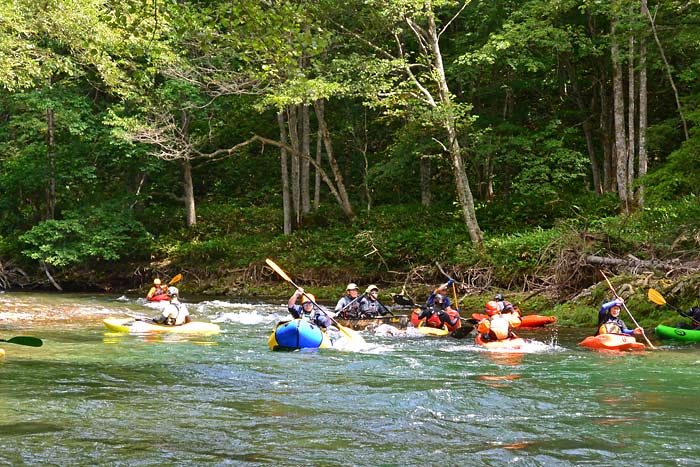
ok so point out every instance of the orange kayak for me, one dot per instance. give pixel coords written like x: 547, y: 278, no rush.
x: 505, y: 345
x: 619, y: 342
x: 527, y: 321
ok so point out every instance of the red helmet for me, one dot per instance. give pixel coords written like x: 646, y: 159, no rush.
x: 492, y: 307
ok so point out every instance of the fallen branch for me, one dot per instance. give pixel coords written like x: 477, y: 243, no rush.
x: 633, y: 263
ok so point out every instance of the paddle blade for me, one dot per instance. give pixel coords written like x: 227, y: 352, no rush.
x: 351, y: 334
x: 175, y: 279
x: 24, y: 340
x: 656, y: 297
x: 278, y: 270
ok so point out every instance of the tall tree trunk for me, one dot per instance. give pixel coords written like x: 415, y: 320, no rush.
x: 306, y: 149
x: 345, y: 204
x: 188, y: 185
x: 293, y: 122
x: 631, y: 120
x: 642, y: 110
x: 317, y: 174
x: 464, y: 192
x: 619, y: 122
x: 51, y: 159
x: 284, y: 169
x: 425, y: 185
x: 668, y: 73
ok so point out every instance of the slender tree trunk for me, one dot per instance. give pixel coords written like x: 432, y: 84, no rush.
x: 293, y: 122
x: 642, y: 109
x: 188, y: 185
x: 668, y: 73
x: 425, y: 178
x: 51, y: 159
x: 619, y: 122
x: 317, y: 174
x: 306, y: 149
x: 464, y: 192
x: 284, y: 169
x: 631, y: 120
x: 337, y: 174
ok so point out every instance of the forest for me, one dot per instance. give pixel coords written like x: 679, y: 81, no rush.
x: 514, y: 145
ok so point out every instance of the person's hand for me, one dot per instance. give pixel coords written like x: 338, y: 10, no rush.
x: 450, y: 282
x: 638, y: 331
x: 619, y: 301
x: 300, y: 291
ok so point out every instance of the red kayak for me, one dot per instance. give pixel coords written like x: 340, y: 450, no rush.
x: 159, y: 298
x: 434, y: 321
x: 513, y: 344
x: 527, y: 321
x: 621, y: 342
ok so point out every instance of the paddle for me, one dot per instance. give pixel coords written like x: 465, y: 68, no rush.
x: 352, y: 335
x: 627, y: 310
x: 175, y: 279
x: 24, y: 340
x: 657, y: 298
x: 359, y: 297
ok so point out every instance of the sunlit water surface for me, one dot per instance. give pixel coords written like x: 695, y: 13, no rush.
x: 91, y: 397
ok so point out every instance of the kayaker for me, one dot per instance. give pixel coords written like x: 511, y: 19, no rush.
x: 496, y: 327
x: 157, y: 289
x: 508, y: 310
x: 370, y: 306
x: 348, y: 306
x: 439, y: 303
x: 609, y: 321
x: 694, y: 315
x: 175, y: 313
x: 306, y: 309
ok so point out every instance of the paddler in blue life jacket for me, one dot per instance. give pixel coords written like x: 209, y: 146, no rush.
x: 175, y: 312
x: 609, y: 321
x: 370, y: 306
x: 348, y: 307
x: 306, y: 309
x: 439, y: 303
x: 496, y: 327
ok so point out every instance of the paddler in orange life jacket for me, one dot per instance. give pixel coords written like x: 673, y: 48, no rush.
x: 157, y: 289
x: 496, y: 327
x: 609, y: 321
x: 306, y: 309
x: 508, y: 310
x: 439, y: 303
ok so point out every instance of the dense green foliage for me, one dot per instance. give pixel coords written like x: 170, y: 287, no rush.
x: 106, y: 106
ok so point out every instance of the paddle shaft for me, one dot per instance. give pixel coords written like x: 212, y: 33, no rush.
x: 651, y: 346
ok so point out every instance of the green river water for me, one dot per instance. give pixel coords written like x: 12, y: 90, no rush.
x: 89, y: 397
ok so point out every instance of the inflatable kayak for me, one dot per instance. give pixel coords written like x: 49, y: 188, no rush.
x: 668, y: 332
x: 512, y: 344
x: 431, y: 331
x: 159, y: 298
x: 141, y: 327
x: 621, y: 342
x: 359, y: 324
x: 527, y: 321
x: 298, y: 334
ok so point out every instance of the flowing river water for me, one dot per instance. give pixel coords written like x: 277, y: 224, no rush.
x: 90, y: 397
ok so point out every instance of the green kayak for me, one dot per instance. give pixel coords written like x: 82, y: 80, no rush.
x: 667, y: 332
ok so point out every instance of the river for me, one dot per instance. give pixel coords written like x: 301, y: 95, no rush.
x: 89, y: 397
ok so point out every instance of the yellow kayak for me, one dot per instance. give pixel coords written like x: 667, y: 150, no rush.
x: 431, y: 331
x: 140, y: 327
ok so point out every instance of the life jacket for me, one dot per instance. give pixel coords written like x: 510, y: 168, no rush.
x: 609, y: 328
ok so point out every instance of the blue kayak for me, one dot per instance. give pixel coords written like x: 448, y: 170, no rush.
x: 298, y: 334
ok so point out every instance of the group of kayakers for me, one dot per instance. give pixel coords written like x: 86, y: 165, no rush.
x: 353, y: 305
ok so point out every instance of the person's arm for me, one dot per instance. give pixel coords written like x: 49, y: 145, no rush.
x: 293, y: 299
x: 340, y: 305
x: 151, y: 292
